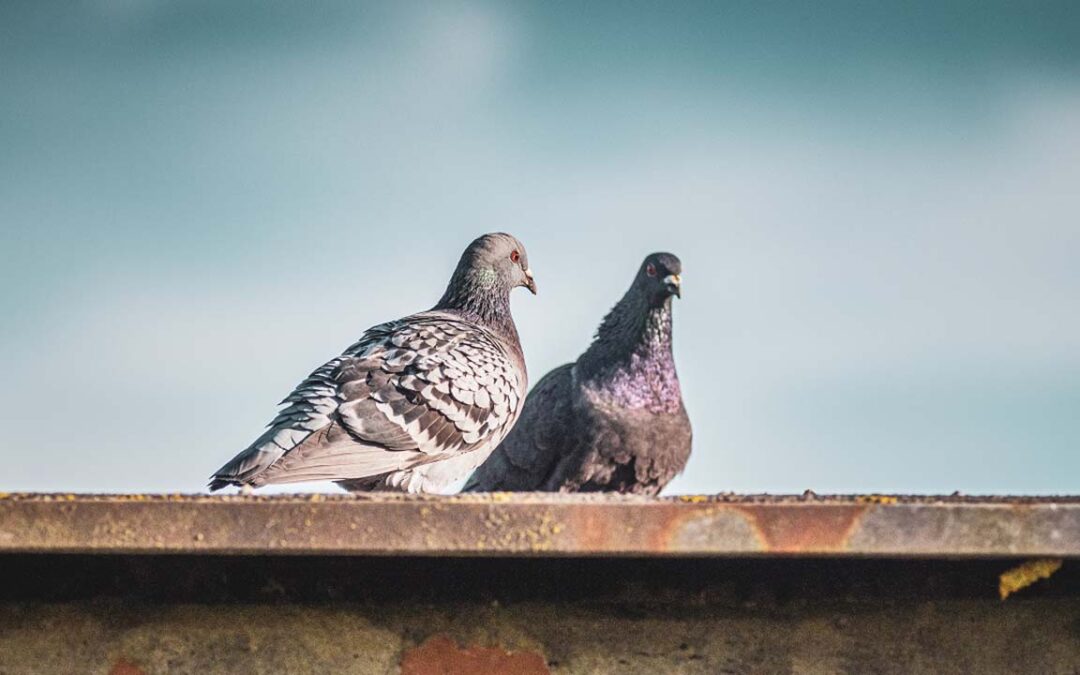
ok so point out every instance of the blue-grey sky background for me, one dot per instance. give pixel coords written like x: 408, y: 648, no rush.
x: 877, y: 206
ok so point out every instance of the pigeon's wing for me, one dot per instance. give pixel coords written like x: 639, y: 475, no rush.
x: 438, y: 385
x: 409, y: 392
x: 525, y: 460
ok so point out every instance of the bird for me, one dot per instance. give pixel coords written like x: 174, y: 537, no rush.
x: 612, y: 421
x: 414, y: 405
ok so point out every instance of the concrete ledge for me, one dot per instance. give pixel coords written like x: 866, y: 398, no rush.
x: 542, y: 525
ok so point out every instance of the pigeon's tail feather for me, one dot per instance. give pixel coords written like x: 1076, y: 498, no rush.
x: 331, y: 453
x: 245, y: 468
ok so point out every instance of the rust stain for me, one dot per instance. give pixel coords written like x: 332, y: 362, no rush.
x: 440, y: 655
x: 660, y: 532
x: 543, y: 524
x: 125, y: 667
x: 804, y: 528
x: 591, y: 531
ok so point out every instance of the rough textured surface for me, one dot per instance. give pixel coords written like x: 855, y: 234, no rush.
x: 543, y: 525
x: 442, y: 656
x: 199, y: 614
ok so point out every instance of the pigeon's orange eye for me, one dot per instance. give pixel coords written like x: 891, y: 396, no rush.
x: 650, y: 269
x: 515, y: 256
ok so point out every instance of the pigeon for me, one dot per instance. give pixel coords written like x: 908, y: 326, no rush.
x: 612, y: 421
x: 415, y: 404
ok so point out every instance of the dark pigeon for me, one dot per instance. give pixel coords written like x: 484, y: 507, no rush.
x: 612, y: 421
x: 416, y: 404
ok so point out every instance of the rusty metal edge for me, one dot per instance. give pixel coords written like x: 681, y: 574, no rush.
x: 541, y: 525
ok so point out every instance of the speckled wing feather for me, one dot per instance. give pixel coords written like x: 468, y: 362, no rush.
x: 527, y: 458
x: 409, y: 392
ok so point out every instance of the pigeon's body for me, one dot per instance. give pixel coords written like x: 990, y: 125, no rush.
x: 613, y: 420
x: 414, y: 405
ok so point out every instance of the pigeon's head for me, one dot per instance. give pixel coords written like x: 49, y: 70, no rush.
x: 659, y: 277
x: 497, y: 261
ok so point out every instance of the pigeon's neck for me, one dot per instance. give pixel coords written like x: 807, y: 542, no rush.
x: 630, y: 361
x: 480, y: 301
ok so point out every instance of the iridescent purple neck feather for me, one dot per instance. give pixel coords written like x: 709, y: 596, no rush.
x: 630, y: 362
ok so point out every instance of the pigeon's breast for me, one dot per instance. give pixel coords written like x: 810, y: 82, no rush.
x: 645, y: 384
x: 628, y: 448
x: 645, y: 428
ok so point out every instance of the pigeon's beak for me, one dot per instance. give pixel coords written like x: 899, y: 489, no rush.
x: 530, y: 283
x: 673, y: 282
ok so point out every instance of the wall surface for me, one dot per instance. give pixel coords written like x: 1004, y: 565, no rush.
x: 125, y: 615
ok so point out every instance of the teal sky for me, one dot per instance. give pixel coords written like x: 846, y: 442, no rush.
x: 877, y: 206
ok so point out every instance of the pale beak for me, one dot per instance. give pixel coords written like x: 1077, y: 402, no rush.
x: 530, y: 283
x: 674, y: 284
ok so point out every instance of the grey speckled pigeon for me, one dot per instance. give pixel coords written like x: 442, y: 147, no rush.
x: 612, y: 421
x: 416, y: 404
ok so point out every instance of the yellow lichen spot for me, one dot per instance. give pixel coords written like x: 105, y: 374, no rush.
x: 1026, y: 574
x: 693, y: 499
x: 877, y: 499
x: 501, y: 496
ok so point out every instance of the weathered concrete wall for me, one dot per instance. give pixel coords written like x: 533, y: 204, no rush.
x: 129, y: 615
x: 955, y: 637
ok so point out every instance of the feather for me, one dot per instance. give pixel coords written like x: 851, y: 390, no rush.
x: 408, y: 393
x: 614, y: 419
